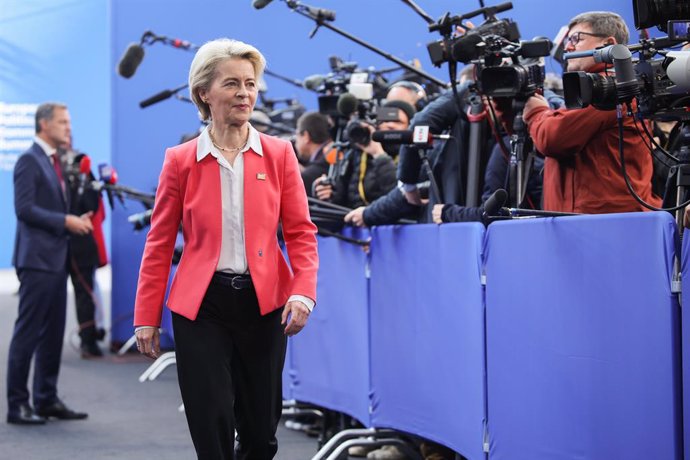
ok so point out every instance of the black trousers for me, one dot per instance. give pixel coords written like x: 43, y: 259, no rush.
x: 82, y: 280
x: 38, y: 333
x: 229, y: 367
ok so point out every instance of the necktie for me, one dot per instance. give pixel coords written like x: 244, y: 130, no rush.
x: 58, y: 171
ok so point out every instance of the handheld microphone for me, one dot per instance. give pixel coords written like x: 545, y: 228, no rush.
x: 259, y: 4
x: 129, y: 62
x: 494, y: 203
x: 405, y: 137
x: 107, y: 174
x: 84, y: 171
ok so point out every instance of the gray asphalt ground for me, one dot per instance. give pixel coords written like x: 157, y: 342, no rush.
x: 127, y: 419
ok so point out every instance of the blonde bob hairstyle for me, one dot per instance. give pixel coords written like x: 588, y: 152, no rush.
x: 205, y: 62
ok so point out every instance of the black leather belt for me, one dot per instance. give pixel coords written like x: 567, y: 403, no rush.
x: 233, y: 281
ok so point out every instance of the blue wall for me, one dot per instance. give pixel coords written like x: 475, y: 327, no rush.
x: 52, y: 50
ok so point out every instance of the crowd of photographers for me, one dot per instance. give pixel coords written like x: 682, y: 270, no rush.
x: 570, y: 160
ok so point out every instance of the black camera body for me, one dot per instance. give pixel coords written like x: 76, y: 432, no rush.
x: 467, y: 48
x: 523, y: 77
x: 661, y: 86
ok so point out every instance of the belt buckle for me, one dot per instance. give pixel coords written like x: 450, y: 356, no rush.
x: 239, y: 282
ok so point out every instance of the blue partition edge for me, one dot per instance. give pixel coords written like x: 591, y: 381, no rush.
x: 427, y: 333
x: 329, y: 358
x: 583, y: 338
x: 685, y: 299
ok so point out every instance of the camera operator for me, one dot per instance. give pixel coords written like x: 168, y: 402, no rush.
x: 312, y: 141
x: 497, y: 176
x: 408, y: 91
x: 86, y: 252
x: 368, y: 173
x: 449, y: 160
x: 582, y: 170
x: 391, y: 207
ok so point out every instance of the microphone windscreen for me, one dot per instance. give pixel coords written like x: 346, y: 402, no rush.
x: 129, y: 62
x: 347, y: 104
x: 495, y: 202
x: 85, y: 165
x: 313, y: 82
x: 393, y: 137
x: 258, y: 4
x: 465, y: 49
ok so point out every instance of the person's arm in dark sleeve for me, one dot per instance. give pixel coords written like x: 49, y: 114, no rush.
x: 389, y: 209
x: 26, y: 179
x: 439, y: 116
x: 457, y: 213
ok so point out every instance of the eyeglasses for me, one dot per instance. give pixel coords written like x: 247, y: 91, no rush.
x: 576, y: 38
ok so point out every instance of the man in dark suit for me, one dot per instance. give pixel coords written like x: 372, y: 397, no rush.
x: 41, y: 204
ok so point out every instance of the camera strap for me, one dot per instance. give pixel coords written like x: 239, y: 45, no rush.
x: 362, y: 173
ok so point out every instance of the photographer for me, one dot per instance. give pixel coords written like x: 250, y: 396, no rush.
x: 582, y: 170
x: 368, y: 173
x: 86, y: 252
x: 312, y: 140
x: 391, y: 207
x: 448, y: 161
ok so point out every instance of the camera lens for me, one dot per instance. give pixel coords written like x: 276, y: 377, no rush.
x: 358, y: 133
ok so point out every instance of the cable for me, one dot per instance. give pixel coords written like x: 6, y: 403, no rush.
x: 619, y: 114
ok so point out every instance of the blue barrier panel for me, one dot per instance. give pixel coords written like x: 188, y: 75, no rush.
x: 582, y: 339
x: 330, y: 357
x: 427, y: 333
x: 685, y: 260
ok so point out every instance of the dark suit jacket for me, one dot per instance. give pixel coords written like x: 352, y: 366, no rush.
x: 41, y: 242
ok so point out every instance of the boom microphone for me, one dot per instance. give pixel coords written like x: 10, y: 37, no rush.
x: 259, y: 4
x: 163, y: 95
x: 129, y: 62
x: 403, y: 137
x: 313, y: 82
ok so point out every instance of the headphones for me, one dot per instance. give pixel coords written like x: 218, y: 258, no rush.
x: 414, y: 87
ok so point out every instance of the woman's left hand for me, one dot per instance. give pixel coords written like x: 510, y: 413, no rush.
x: 298, y: 313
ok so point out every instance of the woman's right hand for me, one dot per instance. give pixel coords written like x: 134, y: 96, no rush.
x: 149, y: 342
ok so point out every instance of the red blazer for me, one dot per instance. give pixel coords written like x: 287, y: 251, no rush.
x: 189, y: 192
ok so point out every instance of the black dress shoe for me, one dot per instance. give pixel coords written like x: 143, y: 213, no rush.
x: 90, y: 350
x: 25, y: 416
x: 59, y: 411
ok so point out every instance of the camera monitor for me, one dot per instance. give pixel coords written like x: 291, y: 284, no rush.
x: 679, y: 30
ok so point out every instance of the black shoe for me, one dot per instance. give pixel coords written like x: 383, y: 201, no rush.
x: 90, y: 350
x: 25, y: 416
x: 60, y: 411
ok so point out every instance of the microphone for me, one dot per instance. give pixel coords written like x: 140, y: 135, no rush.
x: 405, y: 137
x: 141, y: 220
x: 84, y: 171
x: 347, y: 104
x: 494, y: 203
x: 313, y: 82
x: 129, y: 62
x: 318, y: 13
x: 465, y: 49
x: 156, y: 98
x: 259, y: 4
